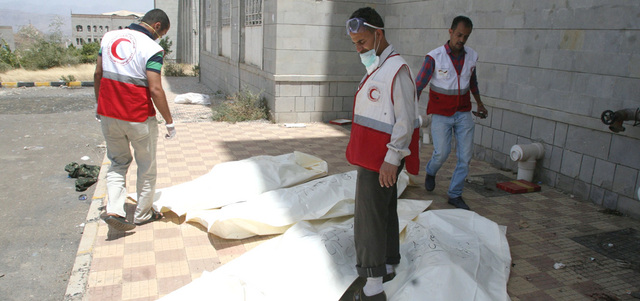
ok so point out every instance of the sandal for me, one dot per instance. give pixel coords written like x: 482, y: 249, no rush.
x: 119, y: 223
x: 154, y: 217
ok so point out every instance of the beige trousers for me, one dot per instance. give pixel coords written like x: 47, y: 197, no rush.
x: 121, y: 136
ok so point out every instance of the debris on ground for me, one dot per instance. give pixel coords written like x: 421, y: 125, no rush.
x: 86, y: 175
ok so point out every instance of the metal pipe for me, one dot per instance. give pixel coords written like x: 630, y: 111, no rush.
x: 615, y: 119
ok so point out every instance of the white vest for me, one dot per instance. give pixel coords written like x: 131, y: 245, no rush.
x: 125, y: 54
x: 445, y: 79
x: 374, y: 107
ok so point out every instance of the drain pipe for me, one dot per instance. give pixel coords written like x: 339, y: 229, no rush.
x: 526, y: 156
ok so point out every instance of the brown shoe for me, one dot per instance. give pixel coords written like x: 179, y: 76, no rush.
x: 360, y: 296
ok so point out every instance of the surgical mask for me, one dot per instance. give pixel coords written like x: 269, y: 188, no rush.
x: 369, y: 59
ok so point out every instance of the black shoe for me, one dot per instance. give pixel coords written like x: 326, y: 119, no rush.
x: 119, y: 223
x: 430, y: 182
x: 360, y: 296
x: 388, y: 277
x: 459, y: 203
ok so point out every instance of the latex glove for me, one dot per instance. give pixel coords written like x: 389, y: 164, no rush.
x: 171, y: 131
x: 97, y: 115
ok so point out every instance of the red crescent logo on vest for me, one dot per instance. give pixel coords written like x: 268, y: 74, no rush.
x: 127, y: 53
x: 374, y: 94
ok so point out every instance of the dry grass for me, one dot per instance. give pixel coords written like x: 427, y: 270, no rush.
x: 83, y: 72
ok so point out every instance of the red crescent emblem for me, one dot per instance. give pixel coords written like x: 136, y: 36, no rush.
x: 374, y: 94
x: 114, y: 46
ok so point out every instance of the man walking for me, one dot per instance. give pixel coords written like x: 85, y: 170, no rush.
x: 451, y: 69
x: 127, y: 85
x: 385, y: 131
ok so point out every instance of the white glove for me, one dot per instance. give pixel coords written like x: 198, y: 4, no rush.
x: 97, y: 115
x: 171, y: 131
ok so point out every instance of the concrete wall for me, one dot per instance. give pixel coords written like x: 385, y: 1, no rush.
x: 172, y: 9
x: 546, y: 72
x: 6, y: 34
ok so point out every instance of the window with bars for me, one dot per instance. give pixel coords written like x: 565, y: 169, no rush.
x: 252, y: 12
x: 225, y: 13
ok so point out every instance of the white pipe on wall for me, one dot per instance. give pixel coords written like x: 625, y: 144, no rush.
x: 526, y: 156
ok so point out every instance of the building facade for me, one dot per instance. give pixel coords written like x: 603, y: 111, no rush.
x: 6, y: 37
x: 184, y: 30
x: 547, y: 71
x: 86, y: 28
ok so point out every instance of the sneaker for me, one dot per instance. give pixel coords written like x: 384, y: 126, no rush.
x: 430, y: 182
x: 360, y: 296
x: 459, y: 203
x: 119, y: 223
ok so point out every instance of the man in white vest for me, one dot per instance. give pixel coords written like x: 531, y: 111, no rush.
x: 384, y: 139
x: 451, y: 69
x: 127, y: 85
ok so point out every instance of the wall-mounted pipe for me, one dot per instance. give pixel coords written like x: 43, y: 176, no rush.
x: 526, y: 156
x: 614, y: 119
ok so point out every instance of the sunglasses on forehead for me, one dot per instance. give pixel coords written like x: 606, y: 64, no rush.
x: 356, y: 25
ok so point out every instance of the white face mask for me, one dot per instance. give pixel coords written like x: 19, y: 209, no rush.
x: 369, y: 59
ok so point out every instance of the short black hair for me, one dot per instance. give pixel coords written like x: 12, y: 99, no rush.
x: 370, y: 15
x: 465, y: 20
x: 156, y: 15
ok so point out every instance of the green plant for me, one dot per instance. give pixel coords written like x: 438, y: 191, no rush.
x: 166, y: 44
x: 68, y: 79
x: 196, y: 70
x: 243, y: 106
x: 173, y: 69
x: 8, y: 59
x: 89, y: 52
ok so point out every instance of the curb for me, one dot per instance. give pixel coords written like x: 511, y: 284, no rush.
x: 77, y: 284
x: 45, y: 84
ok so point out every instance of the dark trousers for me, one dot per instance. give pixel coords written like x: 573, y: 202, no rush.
x: 376, y: 224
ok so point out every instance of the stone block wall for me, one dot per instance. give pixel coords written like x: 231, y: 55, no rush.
x: 547, y: 70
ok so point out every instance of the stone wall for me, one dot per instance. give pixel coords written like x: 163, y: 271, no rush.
x: 547, y: 70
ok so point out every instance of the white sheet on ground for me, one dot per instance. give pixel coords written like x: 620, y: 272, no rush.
x: 314, y: 259
x: 237, y: 181
x: 273, y: 212
x: 193, y: 98
x: 446, y: 255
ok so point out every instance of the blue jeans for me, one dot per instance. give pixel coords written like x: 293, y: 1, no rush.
x: 442, y: 127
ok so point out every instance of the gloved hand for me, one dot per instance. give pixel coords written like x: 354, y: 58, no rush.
x: 97, y: 115
x: 171, y: 131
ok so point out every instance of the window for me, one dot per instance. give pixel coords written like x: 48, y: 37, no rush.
x: 88, y: 28
x: 106, y: 28
x: 253, y: 12
x: 224, y: 43
x: 89, y: 40
x: 79, y: 28
x: 225, y: 13
x: 101, y: 29
x: 94, y: 29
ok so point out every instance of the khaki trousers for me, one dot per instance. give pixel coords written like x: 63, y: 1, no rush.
x: 121, y: 136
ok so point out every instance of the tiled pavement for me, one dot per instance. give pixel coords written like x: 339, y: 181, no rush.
x: 160, y: 257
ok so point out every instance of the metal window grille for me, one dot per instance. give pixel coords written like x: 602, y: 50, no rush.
x: 225, y: 13
x: 253, y: 12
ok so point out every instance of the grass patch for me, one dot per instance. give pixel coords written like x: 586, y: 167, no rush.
x: 175, y: 69
x: 82, y: 72
x: 243, y: 106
